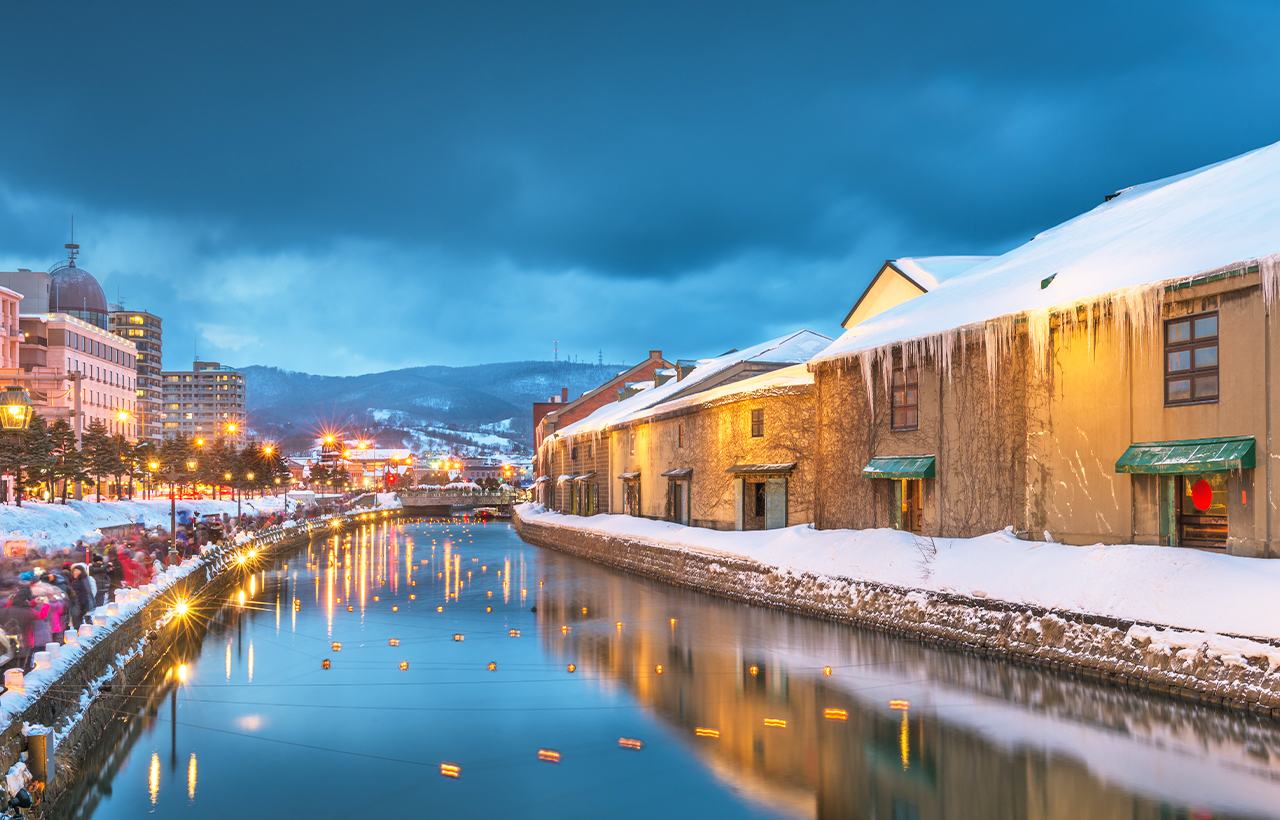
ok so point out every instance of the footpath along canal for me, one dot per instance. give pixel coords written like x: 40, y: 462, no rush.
x: 357, y: 670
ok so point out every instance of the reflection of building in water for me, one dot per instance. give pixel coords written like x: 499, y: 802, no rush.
x: 985, y: 741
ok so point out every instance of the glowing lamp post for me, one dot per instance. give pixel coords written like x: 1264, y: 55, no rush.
x: 15, y: 416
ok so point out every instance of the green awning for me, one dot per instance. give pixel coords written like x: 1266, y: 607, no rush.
x: 1197, y: 455
x: 900, y: 467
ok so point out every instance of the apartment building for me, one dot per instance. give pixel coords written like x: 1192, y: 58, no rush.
x: 143, y: 329
x: 207, y: 401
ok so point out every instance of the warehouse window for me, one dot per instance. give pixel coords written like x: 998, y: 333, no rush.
x: 1191, y: 359
x: 906, y: 398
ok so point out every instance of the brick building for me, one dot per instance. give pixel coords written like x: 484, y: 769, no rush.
x: 558, y: 412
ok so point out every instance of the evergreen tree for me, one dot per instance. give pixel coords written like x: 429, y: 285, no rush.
x: 95, y: 448
x: 68, y: 461
x: 38, y: 453
x: 122, y: 462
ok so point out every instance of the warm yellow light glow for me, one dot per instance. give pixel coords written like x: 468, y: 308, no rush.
x: 324, y: 664
x: 826, y: 670
x: 182, y: 672
x: 703, y: 732
x: 154, y: 466
x: 549, y: 755
x: 439, y: 609
x: 242, y: 597
x: 191, y: 777
x: 777, y: 723
x: 450, y: 770
x: 658, y: 669
x: 573, y: 667
x: 584, y: 610
x: 457, y: 636
x: 900, y: 704
x: 754, y: 670
x: 404, y: 665
x: 630, y: 743
x: 514, y: 633
x: 394, y: 642
x: 181, y: 608
x: 564, y: 630
x: 492, y: 666
x: 835, y: 714
x: 153, y: 777
x: 337, y: 647
x: 488, y: 609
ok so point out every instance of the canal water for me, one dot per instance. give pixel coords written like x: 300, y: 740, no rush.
x: 620, y: 697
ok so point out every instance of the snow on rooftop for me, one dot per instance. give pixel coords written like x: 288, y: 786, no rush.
x: 930, y: 271
x: 794, y: 348
x: 775, y: 381
x: 1219, y: 216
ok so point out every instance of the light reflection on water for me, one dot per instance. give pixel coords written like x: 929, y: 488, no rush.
x: 678, y: 704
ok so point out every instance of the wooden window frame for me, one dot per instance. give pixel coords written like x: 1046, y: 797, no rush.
x: 757, y: 423
x: 1190, y: 346
x: 904, y: 414
x: 679, y: 435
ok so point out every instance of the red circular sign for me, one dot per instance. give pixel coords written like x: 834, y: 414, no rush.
x: 1201, y: 495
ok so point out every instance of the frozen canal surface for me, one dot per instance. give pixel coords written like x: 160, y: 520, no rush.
x: 733, y: 706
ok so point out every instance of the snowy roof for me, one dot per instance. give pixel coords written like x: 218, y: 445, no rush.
x: 1219, y: 216
x: 930, y: 271
x: 794, y: 348
x: 786, y: 379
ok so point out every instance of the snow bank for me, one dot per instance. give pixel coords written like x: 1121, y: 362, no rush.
x: 1190, y: 590
x: 51, y: 527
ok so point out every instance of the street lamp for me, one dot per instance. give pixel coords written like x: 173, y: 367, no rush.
x: 17, y: 409
x: 15, y: 415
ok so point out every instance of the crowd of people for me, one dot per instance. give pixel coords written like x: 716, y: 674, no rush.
x: 45, y: 595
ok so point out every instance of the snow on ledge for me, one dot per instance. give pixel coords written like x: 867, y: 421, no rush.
x: 1182, y: 588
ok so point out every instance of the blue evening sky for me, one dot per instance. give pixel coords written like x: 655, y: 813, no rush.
x: 349, y: 187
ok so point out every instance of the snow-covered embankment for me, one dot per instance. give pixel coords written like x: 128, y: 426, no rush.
x: 1183, y: 621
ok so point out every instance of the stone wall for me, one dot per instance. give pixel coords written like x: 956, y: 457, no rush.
x: 1147, y: 656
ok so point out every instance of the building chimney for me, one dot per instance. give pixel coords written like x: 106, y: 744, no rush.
x: 655, y: 354
x: 564, y: 395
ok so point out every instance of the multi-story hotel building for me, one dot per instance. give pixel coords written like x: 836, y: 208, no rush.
x: 60, y: 327
x: 143, y: 329
x: 206, y: 401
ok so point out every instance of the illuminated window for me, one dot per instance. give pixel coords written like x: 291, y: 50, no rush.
x: 1191, y: 359
x: 757, y: 423
x: 906, y: 398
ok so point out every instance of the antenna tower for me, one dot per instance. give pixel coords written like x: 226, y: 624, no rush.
x: 556, y: 353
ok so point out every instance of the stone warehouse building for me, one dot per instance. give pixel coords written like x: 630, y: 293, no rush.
x: 720, y: 443
x: 1109, y: 381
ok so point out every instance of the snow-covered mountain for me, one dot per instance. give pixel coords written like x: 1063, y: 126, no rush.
x: 483, y: 407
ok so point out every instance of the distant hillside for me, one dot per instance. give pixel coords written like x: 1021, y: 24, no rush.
x: 479, y: 407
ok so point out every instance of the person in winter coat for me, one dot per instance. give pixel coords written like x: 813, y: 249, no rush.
x: 128, y: 569
x: 81, y: 594
x: 116, y: 569
x: 100, y: 576
x: 41, y: 632
x: 142, y: 568
x: 18, y: 619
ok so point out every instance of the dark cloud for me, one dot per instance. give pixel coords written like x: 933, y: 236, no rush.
x: 642, y: 147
